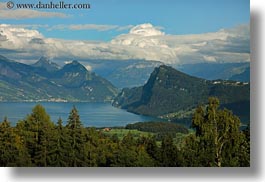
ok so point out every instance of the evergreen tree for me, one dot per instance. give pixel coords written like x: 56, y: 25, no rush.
x: 168, y: 152
x: 36, y: 131
x: 60, y: 144
x: 76, y: 139
x: 12, y: 148
x: 5, y: 145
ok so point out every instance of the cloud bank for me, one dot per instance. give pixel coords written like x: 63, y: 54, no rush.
x: 143, y: 41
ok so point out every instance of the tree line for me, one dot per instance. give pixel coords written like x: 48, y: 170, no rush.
x: 37, y: 141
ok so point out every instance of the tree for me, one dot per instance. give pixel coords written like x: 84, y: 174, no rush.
x: 76, y: 139
x: 5, y: 144
x: 218, y: 137
x: 168, y: 152
x: 74, y: 120
x: 12, y: 148
x: 150, y: 146
x: 245, y: 152
x: 36, y: 131
x: 60, y: 145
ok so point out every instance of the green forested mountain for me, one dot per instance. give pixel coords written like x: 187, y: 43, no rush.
x: 45, y: 81
x: 168, y: 91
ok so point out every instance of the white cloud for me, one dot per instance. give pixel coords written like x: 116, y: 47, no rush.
x: 88, y: 67
x: 209, y: 58
x: 67, y: 62
x: 146, y: 29
x: 27, y: 13
x: 142, y: 42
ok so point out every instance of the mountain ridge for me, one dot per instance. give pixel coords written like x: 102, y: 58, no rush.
x: 169, y: 90
x: 46, y: 64
x: 214, y: 71
x: 73, y: 82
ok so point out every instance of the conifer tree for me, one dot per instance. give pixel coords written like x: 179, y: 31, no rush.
x: 5, y: 145
x: 60, y: 145
x: 36, y: 131
x: 12, y: 148
x: 76, y: 139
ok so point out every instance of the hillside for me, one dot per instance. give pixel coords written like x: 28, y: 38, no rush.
x: 45, y: 81
x: 168, y: 91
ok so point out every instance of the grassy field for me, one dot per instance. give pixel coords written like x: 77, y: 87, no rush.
x: 122, y: 132
x: 178, y: 140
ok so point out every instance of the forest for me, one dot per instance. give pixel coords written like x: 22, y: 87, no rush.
x: 36, y: 141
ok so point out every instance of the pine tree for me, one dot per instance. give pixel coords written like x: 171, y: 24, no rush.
x: 60, y: 144
x: 5, y: 145
x: 76, y: 139
x: 12, y: 148
x: 36, y: 131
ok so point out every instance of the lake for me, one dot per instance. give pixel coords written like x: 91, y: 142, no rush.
x: 91, y: 114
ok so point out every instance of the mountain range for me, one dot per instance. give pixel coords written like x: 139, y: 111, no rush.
x: 212, y: 71
x: 133, y: 73
x: 165, y: 92
x: 123, y: 73
x: 46, y: 81
x: 169, y: 91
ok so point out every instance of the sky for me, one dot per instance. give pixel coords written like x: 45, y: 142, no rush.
x: 173, y: 25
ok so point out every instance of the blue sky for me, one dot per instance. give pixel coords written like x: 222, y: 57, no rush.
x: 174, y: 16
x: 170, y: 31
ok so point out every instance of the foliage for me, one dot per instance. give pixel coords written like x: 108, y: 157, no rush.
x: 158, y: 127
x: 218, y: 140
x: 161, y: 129
x: 37, y: 141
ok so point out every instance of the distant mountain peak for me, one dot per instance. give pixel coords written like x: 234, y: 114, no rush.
x: 74, y: 67
x: 75, y: 63
x: 44, y: 59
x: 166, y: 71
x: 168, y: 68
x: 47, y: 64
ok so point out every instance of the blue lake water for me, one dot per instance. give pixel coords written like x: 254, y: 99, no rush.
x: 91, y: 114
